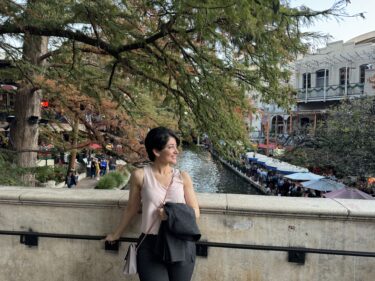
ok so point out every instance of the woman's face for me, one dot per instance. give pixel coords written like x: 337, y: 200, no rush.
x: 169, y: 153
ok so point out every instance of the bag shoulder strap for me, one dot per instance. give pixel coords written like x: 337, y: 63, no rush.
x: 153, y: 223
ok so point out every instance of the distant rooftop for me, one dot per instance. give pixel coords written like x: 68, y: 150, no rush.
x: 368, y: 37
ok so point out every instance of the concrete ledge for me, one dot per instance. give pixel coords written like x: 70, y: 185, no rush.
x: 232, y: 203
x: 357, y: 207
x: 212, y: 202
x: 65, y: 196
x: 285, y: 205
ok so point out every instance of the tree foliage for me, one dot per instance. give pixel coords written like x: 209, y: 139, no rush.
x: 186, y: 63
x: 344, y: 142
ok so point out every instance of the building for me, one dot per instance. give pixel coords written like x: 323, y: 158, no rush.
x: 339, y: 71
x: 267, y: 118
x: 334, y: 73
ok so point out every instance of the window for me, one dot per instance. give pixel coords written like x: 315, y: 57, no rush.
x: 362, y: 72
x: 343, y: 71
x: 320, y: 78
x: 306, y: 78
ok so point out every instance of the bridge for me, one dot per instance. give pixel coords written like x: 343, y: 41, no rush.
x: 54, y: 234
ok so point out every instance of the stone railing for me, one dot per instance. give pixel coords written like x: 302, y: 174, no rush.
x: 343, y: 225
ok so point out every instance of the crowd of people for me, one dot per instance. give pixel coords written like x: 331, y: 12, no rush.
x: 273, y: 182
x: 277, y: 184
x: 96, y: 167
x: 99, y: 166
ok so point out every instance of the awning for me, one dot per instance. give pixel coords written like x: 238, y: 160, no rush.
x: 7, y: 87
x: 64, y: 127
x: 275, y: 164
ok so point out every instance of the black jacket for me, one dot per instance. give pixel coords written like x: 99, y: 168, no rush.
x: 177, y: 233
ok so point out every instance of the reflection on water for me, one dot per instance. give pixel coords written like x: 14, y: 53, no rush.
x: 209, y: 175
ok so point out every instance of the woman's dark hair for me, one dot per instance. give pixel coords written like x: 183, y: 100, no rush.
x: 157, y: 138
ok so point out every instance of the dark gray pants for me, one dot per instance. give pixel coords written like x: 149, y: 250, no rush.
x: 151, y: 268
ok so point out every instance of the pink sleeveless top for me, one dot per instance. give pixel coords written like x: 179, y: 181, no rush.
x: 153, y: 193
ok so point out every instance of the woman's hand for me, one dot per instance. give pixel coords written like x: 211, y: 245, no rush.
x: 111, y: 238
x: 162, y: 215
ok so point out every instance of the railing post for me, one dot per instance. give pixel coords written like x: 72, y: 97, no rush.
x: 306, y: 86
x: 297, y: 257
x: 324, y: 85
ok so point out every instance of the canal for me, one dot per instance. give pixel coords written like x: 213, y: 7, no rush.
x: 210, y: 175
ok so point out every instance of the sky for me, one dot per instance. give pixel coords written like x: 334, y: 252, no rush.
x: 346, y: 28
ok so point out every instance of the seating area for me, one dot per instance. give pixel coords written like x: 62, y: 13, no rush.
x: 284, y: 179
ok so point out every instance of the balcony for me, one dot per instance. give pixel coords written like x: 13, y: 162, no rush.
x: 248, y: 237
x: 333, y: 92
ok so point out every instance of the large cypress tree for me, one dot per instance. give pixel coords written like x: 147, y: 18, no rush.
x: 189, y: 61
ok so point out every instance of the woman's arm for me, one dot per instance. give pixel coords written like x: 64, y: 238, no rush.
x: 190, y: 197
x: 133, y: 206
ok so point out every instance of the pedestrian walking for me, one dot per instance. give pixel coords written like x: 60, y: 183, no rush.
x: 88, y: 167
x: 112, y: 163
x: 103, y: 166
x: 71, y: 179
x: 93, y: 168
x: 97, y: 170
x: 152, y: 185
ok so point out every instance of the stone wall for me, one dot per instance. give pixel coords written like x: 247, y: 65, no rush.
x: 261, y: 220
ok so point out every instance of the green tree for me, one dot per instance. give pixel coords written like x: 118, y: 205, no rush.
x: 344, y: 142
x: 188, y: 61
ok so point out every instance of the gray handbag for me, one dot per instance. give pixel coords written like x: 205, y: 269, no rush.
x: 130, y: 266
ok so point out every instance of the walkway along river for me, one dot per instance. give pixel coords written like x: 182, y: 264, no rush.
x: 210, y: 175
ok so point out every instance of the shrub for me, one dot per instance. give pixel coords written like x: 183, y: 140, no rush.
x: 119, y: 178
x: 60, y: 173
x: 112, y: 180
x: 46, y: 173
x: 106, y: 182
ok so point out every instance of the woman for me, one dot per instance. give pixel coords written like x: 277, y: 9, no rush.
x: 97, y: 169
x: 151, y: 185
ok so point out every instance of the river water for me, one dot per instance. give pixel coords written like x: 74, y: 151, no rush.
x: 210, y: 175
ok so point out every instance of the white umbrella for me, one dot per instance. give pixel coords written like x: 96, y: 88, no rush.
x: 288, y: 168
x: 120, y: 162
x: 250, y: 154
x: 323, y: 185
x: 304, y: 176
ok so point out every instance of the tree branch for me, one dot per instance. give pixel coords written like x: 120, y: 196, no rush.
x: 112, y: 74
x: 79, y: 36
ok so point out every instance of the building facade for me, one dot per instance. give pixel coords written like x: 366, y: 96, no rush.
x: 339, y: 71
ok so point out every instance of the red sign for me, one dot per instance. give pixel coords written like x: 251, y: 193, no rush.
x: 44, y: 104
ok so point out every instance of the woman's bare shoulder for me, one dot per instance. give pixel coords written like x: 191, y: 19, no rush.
x: 137, y: 176
x: 185, y: 176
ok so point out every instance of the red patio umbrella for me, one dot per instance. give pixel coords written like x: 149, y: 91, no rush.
x: 95, y: 146
x: 348, y: 193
